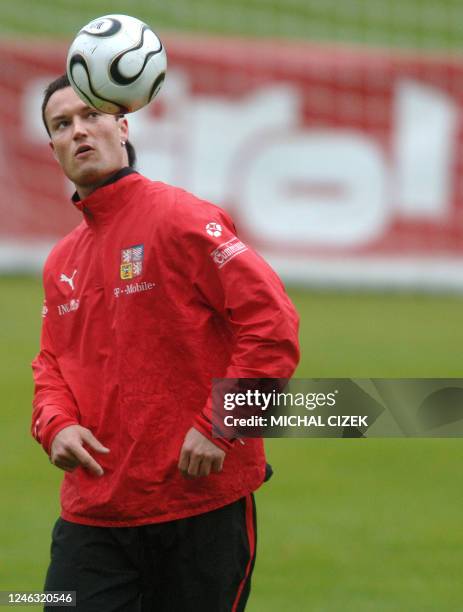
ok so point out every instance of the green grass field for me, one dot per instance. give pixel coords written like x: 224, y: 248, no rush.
x: 344, y: 525
x: 423, y: 24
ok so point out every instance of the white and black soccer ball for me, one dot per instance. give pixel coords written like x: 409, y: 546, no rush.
x: 116, y: 64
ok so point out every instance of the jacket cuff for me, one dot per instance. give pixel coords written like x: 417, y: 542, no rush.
x: 204, y: 426
x: 53, y: 427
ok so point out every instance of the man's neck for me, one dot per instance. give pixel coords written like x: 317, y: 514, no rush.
x: 83, y: 191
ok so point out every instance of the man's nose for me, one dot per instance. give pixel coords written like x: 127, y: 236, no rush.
x: 79, y: 128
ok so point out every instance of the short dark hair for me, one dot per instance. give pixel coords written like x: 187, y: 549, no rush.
x: 61, y: 83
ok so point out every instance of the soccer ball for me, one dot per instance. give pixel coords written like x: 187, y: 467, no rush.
x: 116, y: 64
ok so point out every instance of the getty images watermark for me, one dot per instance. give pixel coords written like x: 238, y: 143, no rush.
x: 340, y: 408
x: 274, y: 401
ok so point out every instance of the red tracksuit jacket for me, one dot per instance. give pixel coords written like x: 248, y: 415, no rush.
x: 146, y: 301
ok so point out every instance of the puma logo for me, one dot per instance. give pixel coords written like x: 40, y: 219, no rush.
x: 70, y: 280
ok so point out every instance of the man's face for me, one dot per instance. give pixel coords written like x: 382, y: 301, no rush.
x: 86, y: 142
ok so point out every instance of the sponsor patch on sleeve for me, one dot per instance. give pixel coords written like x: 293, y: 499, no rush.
x: 227, y: 251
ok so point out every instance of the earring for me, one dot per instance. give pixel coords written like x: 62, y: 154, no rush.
x: 122, y: 143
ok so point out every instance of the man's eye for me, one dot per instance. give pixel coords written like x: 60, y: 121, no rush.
x: 94, y: 114
x: 62, y: 124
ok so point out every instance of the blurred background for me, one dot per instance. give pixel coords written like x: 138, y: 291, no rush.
x: 332, y: 131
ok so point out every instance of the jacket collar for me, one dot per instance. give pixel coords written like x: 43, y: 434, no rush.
x: 107, y: 199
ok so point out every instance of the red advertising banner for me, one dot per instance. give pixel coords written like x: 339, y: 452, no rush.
x: 341, y: 165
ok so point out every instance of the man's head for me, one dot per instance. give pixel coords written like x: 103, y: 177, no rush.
x: 88, y: 144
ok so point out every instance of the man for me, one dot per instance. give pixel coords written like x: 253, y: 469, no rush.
x: 151, y: 297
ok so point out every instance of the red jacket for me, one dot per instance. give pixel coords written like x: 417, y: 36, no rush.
x: 147, y: 300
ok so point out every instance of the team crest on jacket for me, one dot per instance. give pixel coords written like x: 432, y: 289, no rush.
x: 132, y: 262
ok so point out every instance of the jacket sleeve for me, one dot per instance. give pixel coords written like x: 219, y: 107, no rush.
x: 237, y: 283
x: 54, y: 407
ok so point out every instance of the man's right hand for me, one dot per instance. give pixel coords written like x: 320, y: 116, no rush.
x: 68, y: 452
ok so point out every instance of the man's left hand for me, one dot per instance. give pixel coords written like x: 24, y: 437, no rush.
x: 199, y: 456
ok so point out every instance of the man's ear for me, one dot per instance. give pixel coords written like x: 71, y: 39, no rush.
x: 52, y: 147
x: 124, y: 128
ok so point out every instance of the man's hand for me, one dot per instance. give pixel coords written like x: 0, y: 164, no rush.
x: 68, y: 452
x: 199, y: 456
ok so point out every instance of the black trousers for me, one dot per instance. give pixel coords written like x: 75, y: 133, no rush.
x: 202, y: 563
